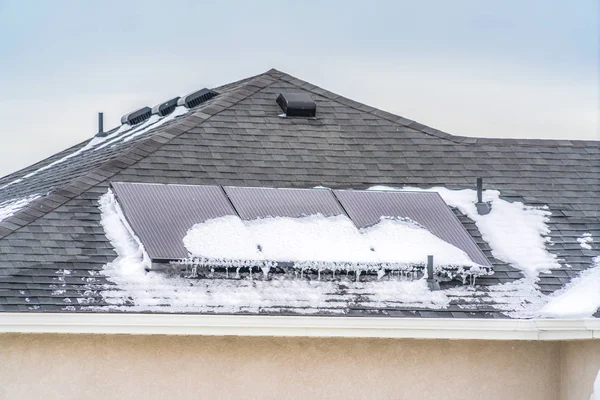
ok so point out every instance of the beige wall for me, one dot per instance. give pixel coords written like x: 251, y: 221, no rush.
x: 579, y: 366
x: 160, y: 367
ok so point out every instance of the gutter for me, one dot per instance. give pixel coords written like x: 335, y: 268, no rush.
x: 301, y: 326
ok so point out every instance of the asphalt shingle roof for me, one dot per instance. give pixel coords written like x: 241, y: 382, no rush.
x: 53, y: 251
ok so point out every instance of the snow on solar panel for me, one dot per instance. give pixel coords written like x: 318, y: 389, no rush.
x: 160, y: 215
x: 366, y: 208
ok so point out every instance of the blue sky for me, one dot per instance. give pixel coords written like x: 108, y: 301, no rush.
x: 476, y: 68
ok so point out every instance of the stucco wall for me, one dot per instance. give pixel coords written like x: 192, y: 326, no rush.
x: 159, y: 367
x: 579, y: 366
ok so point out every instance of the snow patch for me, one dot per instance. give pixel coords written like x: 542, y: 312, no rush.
x: 518, y: 299
x: 132, y: 258
x: 585, y: 240
x: 10, y: 207
x: 176, y: 113
x: 516, y: 233
x: 579, y: 299
x: 321, y: 239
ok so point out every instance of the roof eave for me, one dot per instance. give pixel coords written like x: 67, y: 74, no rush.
x: 301, y: 326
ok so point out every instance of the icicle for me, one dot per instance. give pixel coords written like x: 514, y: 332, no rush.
x: 380, y: 274
x: 226, y: 272
x: 357, y: 275
x: 250, y: 272
x: 265, y: 271
x: 319, y: 273
x: 237, y: 272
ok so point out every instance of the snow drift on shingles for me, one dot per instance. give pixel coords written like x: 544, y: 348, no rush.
x: 10, y: 207
x: 579, y: 299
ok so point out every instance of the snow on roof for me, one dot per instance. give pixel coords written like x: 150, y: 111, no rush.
x: 125, y: 133
x: 517, y: 233
x: 155, y: 291
x: 579, y: 299
x: 10, y: 207
x: 332, y: 239
x: 153, y: 122
x: 321, y: 239
x: 585, y: 240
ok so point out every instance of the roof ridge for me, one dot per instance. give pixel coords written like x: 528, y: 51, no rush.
x: 138, y: 151
x: 304, y: 85
x: 366, y: 108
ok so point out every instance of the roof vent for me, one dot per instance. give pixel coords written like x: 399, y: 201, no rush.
x: 101, y: 132
x: 199, y: 97
x: 297, y: 104
x: 165, y: 108
x: 483, y: 208
x: 135, y: 117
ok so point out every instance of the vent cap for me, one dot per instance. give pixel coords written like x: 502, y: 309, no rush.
x: 297, y: 104
x: 193, y: 99
x: 137, y: 116
x: 165, y: 108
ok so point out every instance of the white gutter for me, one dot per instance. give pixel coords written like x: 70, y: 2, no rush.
x: 355, y: 327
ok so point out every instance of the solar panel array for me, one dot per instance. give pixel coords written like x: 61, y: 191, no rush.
x: 366, y: 207
x: 252, y: 203
x: 161, y: 215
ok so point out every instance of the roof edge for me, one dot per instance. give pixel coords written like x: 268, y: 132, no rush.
x: 301, y: 326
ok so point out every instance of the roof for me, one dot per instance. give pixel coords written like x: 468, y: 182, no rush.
x: 53, y: 252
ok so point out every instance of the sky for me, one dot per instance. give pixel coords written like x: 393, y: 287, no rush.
x: 468, y: 67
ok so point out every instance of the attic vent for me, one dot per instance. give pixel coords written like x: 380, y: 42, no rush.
x: 165, y: 108
x: 199, y: 97
x: 297, y: 104
x: 135, y: 117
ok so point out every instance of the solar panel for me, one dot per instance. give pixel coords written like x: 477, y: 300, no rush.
x: 365, y: 208
x: 252, y: 203
x: 160, y: 215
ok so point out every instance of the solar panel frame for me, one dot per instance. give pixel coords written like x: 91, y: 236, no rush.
x: 160, y: 215
x: 366, y: 207
x: 257, y: 202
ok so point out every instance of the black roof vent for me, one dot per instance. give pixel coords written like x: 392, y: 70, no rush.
x: 165, y: 108
x: 135, y: 117
x: 199, y: 97
x: 297, y: 104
